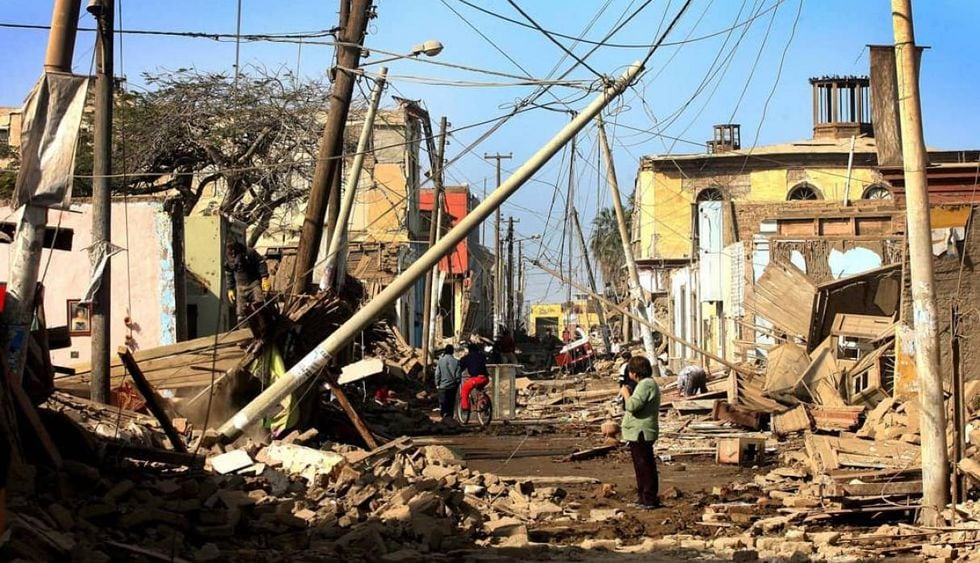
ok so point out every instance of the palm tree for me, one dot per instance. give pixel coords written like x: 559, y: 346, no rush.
x: 607, y: 247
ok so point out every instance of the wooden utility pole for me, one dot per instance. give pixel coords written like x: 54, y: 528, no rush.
x: 636, y: 291
x: 102, y: 198
x: 600, y: 313
x: 510, y: 274
x: 521, y: 286
x: 29, y: 239
x: 354, y: 18
x: 429, y: 302
x: 498, y: 278
x: 935, y: 460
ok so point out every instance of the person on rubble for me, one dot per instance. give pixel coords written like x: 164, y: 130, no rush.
x: 477, y: 374
x: 641, y: 428
x: 448, y: 376
x: 246, y: 277
x: 692, y: 380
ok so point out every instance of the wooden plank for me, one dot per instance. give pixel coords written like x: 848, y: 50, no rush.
x: 836, y: 418
x: 143, y: 453
x: 822, y: 454
x: 548, y: 480
x: 784, y: 295
x: 880, y: 489
x: 169, y: 366
x: 153, y: 401
x: 785, y: 364
x: 693, y: 406
x: 820, y: 377
x: 794, y: 420
x: 592, y: 452
x: 30, y: 413
x: 355, y: 418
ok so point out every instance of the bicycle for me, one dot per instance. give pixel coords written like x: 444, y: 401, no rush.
x: 479, y: 403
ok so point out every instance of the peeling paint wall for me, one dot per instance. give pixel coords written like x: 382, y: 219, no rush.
x: 142, y: 274
x: 163, y: 228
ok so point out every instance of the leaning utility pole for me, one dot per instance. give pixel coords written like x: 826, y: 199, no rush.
x: 339, y: 235
x: 29, y: 239
x: 354, y: 19
x: 636, y: 291
x: 935, y: 461
x: 429, y: 302
x: 102, y: 198
x: 569, y: 202
x: 498, y: 278
x: 323, y: 354
x: 510, y: 274
x: 600, y: 312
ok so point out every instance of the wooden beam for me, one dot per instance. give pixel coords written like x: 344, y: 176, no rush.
x: 30, y: 413
x: 153, y: 401
x: 355, y: 418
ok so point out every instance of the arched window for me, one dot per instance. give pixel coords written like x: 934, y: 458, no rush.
x: 876, y: 191
x: 710, y: 194
x: 804, y: 191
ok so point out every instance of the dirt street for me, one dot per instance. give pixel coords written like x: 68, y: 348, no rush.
x: 687, y: 484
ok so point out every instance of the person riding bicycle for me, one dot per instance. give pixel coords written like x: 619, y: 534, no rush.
x: 477, y: 374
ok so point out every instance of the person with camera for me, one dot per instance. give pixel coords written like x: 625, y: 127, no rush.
x: 640, y: 428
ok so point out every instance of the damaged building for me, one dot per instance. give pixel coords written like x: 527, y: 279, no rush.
x: 746, y: 249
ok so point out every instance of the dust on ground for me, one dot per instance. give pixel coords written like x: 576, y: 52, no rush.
x: 688, y: 485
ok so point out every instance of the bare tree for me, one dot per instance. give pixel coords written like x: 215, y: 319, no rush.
x: 254, y: 140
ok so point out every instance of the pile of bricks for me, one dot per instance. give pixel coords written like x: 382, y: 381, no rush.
x: 286, y: 499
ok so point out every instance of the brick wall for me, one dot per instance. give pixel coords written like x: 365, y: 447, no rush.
x: 952, y: 287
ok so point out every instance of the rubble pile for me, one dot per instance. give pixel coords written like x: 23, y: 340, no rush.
x: 394, y: 503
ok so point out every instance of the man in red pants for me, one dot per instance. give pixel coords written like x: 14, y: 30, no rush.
x: 475, y: 364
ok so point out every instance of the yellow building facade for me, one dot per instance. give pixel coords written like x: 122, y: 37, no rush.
x: 557, y: 316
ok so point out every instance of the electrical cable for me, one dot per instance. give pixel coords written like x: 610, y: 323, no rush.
x: 555, y: 41
x: 621, y: 45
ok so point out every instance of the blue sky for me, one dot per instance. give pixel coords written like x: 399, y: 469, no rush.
x: 830, y: 38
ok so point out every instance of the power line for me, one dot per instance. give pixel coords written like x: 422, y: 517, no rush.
x: 553, y: 40
x: 623, y: 45
x: 287, y: 37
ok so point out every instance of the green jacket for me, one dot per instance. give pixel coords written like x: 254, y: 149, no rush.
x: 642, y: 412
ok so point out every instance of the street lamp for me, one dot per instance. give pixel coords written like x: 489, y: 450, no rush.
x: 428, y: 48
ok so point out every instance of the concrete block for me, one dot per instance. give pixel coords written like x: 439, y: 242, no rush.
x: 230, y: 462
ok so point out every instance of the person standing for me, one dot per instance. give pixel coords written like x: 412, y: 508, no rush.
x: 246, y: 277
x: 448, y: 377
x: 641, y: 428
x: 506, y: 347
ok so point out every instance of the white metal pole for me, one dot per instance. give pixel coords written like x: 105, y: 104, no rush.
x: 353, y: 179
x: 320, y: 356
